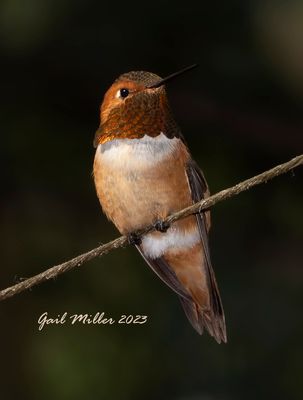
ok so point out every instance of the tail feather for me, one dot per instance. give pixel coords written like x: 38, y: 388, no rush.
x: 200, y: 319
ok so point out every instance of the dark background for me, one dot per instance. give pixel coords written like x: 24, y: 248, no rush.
x: 241, y: 113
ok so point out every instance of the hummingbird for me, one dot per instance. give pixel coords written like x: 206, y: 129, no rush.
x: 143, y: 172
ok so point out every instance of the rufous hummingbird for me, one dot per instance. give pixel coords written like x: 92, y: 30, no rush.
x: 143, y: 172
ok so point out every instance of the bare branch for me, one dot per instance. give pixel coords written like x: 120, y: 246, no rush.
x: 57, y: 270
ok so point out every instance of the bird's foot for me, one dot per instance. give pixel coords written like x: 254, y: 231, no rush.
x: 161, y: 226
x: 134, y: 239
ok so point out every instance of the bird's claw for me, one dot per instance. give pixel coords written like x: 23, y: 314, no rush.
x: 161, y: 226
x: 134, y: 239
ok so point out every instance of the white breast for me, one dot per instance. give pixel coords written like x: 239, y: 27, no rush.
x: 136, y: 153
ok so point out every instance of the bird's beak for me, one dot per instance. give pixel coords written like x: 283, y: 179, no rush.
x: 169, y: 77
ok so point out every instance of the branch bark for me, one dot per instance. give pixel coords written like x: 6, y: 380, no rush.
x: 57, y: 270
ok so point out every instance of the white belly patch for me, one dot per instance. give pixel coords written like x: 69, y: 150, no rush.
x: 137, y: 153
x: 174, y: 238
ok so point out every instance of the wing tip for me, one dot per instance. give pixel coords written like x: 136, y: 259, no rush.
x: 215, y: 325
x: 200, y: 320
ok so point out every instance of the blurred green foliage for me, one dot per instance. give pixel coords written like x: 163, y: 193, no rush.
x: 241, y: 113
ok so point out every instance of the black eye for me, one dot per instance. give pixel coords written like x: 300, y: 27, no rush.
x: 124, y: 93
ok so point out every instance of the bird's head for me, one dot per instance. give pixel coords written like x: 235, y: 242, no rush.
x: 136, y: 105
